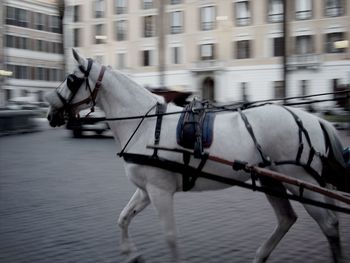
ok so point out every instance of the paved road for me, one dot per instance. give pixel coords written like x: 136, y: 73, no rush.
x: 60, y: 198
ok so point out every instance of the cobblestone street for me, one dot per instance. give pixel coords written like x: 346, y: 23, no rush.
x: 60, y: 199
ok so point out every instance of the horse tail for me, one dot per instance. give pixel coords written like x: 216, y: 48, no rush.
x: 336, y: 169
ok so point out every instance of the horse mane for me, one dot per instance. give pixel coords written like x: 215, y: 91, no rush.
x: 128, y: 81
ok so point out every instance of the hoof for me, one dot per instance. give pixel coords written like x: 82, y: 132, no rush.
x: 136, y: 259
x: 128, y: 248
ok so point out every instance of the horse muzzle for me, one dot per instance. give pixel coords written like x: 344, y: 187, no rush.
x: 56, y: 118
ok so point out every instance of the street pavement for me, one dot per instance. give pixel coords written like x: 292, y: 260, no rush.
x: 60, y: 199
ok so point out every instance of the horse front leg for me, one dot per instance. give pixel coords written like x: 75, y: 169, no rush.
x: 286, y: 217
x: 162, y: 200
x: 136, y: 204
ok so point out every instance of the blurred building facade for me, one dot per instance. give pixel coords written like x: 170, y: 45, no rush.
x: 32, y: 49
x: 221, y: 50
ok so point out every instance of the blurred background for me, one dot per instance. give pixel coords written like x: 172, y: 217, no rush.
x: 224, y: 51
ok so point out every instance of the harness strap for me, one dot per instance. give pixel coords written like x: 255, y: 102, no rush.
x: 266, y: 160
x: 62, y: 99
x: 302, y: 130
x: 189, y: 177
x: 121, y: 153
x: 312, y: 152
x: 160, y: 110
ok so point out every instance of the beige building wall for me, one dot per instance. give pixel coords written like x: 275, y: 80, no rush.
x: 18, y: 56
x: 260, y: 71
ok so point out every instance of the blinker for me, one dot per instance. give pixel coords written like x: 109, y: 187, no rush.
x: 74, y: 83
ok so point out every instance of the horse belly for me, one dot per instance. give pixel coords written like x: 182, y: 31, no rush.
x: 230, y: 142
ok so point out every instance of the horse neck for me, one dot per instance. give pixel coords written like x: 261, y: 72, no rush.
x: 122, y: 97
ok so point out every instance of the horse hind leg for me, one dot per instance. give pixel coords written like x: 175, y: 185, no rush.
x: 136, y: 204
x: 286, y: 217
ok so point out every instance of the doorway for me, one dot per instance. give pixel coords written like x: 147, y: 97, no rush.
x: 208, y: 89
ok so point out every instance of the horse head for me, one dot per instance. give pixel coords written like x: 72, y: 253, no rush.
x: 77, y: 92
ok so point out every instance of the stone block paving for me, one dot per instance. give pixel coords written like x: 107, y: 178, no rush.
x: 60, y: 198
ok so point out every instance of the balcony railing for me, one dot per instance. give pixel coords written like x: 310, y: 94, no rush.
x: 243, y: 21
x: 305, y: 14
x: 176, y: 29
x: 334, y: 11
x: 120, y: 10
x: 304, y: 61
x: 275, y: 17
x: 207, y: 25
x: 147, y: 5
x: 207, y: 65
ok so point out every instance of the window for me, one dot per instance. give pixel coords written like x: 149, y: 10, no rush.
x: 39, y: 73
x: 58, y: 47
x: 7, y: 94
x: 207, y: 52
x: 279, y: 89
x: 207, y: 18
x: 275, y: 10
x: 243, y: 49
x: 304, y: 45
x: 278, y: 47
x: 120, y: 61
x: 76, y: 37
x: 56, y: 74
x: 16, y: 16
x: 99, y: 8
x: 149, y: 26
x: 56, y: 24
x: 303, y: 87
x: 22, y: 42
x: 100, y: 36
x: 10, y: 41
x: 21, y: 72
x: 147, y: 58
x: 147, y: 4
x: 242, y: 12
x: 334, y: 7
x: 120, y: 30
x: 40, y: 45
x: 120, y: 6
x: 332, y: 43
x: 303, y: 9
x: 244, y: 91
x: 176, y: 22
x: 39, y: 21
x: 10, y: 15
x: 176, y: 55
x: 175, y: 2
x: 76, y: 13
x: 22, y: 17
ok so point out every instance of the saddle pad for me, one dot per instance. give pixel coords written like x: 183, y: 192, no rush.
x: 186, y: 129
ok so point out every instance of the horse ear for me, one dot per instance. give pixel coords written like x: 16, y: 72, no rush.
x: 77, y: 57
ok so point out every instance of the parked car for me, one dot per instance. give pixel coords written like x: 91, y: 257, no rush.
x: 95, y: 121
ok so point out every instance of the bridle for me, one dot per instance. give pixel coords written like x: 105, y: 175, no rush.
x: 74, y: 83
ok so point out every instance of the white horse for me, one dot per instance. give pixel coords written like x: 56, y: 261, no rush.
x: 275, y: 129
